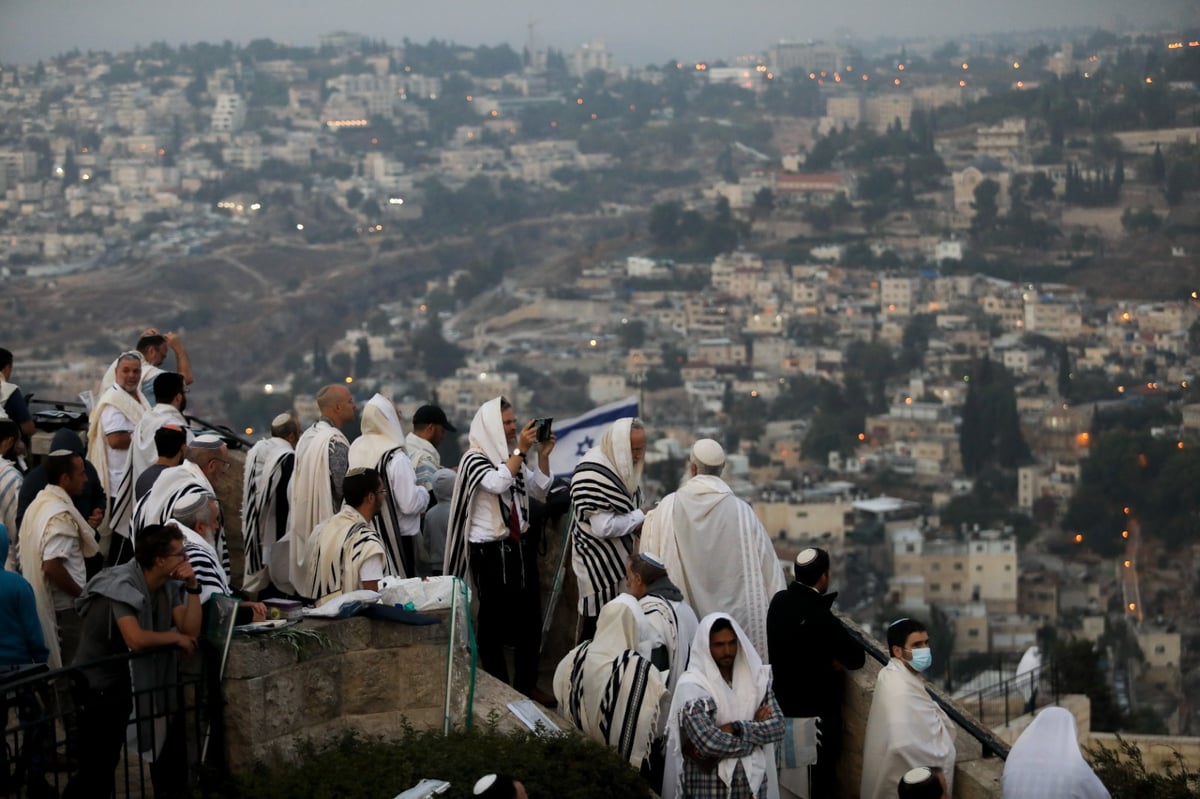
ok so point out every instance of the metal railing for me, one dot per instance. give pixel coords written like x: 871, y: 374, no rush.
x: 992, y: 745
x: 92, y: 731
x: 1035, y: 688
x: 66, y: 407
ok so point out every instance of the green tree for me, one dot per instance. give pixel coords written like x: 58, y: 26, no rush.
x: 764, y: 203
x: 439, y: 358
x: 664, y: 223
x: 362, y: 359
x: 986, y: 208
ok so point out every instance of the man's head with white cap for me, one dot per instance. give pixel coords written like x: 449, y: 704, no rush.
x: 287, y: 427
x: 812, y: 569
x: 708, y: 457
x: 921, y: 783
x: 210, y: 454
x: 499, y: 786
x: 642, y: 570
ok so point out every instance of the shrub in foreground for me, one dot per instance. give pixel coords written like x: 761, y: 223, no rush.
x: 353, y: 767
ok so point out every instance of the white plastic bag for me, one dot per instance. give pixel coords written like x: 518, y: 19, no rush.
x: 425, y: 593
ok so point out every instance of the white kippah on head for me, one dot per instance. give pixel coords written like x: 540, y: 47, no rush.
x: 207, y: 441
x: 708, y: 452
x: 58, y: 453
x: 483, y: 784
x: 652, y: 559
x: 916, y: 776
x: 281, y: 419
x: 806, y: 556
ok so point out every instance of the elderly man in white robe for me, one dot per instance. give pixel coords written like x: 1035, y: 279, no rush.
x: 55, y: 543
x: 199, y: 518
x: 724, y: 722
x: 206, y: 462
x: 905, y: 728
x: 170, y: 401
x: 398, y: 520
x: 608, y: 689
x: 489, y: 519
x: 110, y: 437
x: 605, y: 516
x: 265, y: 480
x: 346, y: 552
x: 315, y: 493
x: 715, y: 548
x: 1045, y: 762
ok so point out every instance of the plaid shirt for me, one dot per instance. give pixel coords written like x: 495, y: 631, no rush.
x: 697, y: 722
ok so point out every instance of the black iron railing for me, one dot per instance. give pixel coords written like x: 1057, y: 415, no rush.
x: 92, y: 731
x: 1035, y: 688
x: 992, y: 745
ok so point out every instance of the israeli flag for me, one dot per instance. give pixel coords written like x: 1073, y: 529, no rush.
x: 576, y: 436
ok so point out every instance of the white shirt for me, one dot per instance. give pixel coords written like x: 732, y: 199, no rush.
x: 411, y: 499
x: 615, y: 525
x: 371, y: 570
x: 65, y: 546
x: 485, y: 510
x: 113, y: 421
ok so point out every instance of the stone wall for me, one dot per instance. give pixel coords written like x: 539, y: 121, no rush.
x: 375, y: 676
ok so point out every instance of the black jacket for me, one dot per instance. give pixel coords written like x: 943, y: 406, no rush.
x: 805, y: 639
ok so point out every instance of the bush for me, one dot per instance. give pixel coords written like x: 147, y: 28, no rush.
x: 1129, y: 779
x: 351, y: 766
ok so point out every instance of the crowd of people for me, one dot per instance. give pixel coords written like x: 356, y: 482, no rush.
x: 696, y: 659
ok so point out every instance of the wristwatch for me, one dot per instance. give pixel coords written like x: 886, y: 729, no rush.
x: 518, y: 452
x: 194, y: 591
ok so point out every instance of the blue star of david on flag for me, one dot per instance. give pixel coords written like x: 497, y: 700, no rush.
x: 584, y: 445
x: 577, y: 436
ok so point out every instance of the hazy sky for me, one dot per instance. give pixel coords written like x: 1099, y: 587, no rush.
x: 637, y: 31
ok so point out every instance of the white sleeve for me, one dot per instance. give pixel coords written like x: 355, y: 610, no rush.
x: 497, y: 481
x: 536, y: 483
x: 615, y: 525
x: 411, y: 498
x: 113, y: 421
x: 371, y: 570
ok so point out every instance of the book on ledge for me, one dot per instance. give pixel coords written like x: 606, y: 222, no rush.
x: 532, y: 717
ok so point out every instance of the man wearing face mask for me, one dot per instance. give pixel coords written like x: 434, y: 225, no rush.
x: 810, y: 652
x: 905, y: 728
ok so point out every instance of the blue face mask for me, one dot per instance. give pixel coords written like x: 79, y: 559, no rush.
x: 921, y: 659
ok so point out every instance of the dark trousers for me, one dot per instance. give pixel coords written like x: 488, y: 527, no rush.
x: 824, y: 773
x: 408, y: 556
x: 510, y: 609
x: 103, y: 715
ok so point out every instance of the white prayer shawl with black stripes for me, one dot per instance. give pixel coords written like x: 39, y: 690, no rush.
x: 338, y: 549
x: 267, y: 473
x: 381, y: 443
x: 132, y: 408
x: 143, y: 452
x: 473, y: 467
x: 10, y: 490
x: 605, y: 481
x: 488, y: 451
x: 176, y: 487
x: 610, y: 691
x: 206, y: 563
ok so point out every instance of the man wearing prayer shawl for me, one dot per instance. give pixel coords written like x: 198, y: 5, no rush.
x: 668, y: 623
x: 207, y: 459
x: 199, y: 520
x: 152, y: 348
x: 55, y: 542
x: 381, y: 447
x: 265, y: 480
x: 346, y: 552
x: 715, y: 548
x: 1045, y: 762
x: 724, y: 720
x: 170, y: 401
x: 110, y: 436
x: 489, y: 517
x: 315, y: 493
x: 610, y: 691
x: 605, y: 498
x: 905, y: 728
x: 10, y: 481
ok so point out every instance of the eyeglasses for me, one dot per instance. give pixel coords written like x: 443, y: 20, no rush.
x: 179, y: 554
x: 381, y: 492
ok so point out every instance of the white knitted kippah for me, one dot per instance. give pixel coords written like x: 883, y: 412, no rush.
x: 806, y: 556
x: 483, y: 784
x: 708, y: 452
x: 916, y: 776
